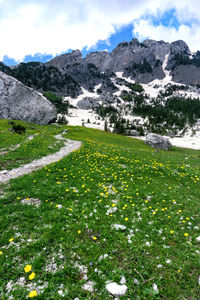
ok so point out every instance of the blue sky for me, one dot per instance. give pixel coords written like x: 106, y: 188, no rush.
x: 39, y: 30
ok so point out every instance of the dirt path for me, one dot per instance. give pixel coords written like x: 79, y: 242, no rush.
x: 36, y: 164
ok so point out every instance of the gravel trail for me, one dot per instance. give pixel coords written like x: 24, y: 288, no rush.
x: 36, y: 164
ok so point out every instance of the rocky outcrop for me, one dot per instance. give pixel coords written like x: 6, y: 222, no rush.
x: 186, y: 74
x: 88, y: 103
x: 19, y: 102
x: 104, y: 99
x: 63, y: 61
x: 88, y: 76
x: 158, y: 141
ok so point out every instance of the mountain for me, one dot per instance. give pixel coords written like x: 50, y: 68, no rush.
x: 153, y: 86
x: 43, y: 78
x: 141, y: 61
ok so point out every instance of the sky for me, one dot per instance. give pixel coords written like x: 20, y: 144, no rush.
x: 38, y: 30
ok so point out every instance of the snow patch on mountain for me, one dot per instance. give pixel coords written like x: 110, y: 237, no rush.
x: 168, y: 77
x: 86, y: 93
x: 120, y: 75
x: 80, y: 117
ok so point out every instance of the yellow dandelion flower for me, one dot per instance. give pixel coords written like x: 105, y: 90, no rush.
x: 1, y: 252
x: 31, y: 276
x: 11, y: 239
x: 79, y: 231
x: 27, y: 268
x: 113, y: 205
x: 32, y: 294
x: 126, y: 219
x: 186, y: 234
x: 171, y: 231
x: 94, y: 238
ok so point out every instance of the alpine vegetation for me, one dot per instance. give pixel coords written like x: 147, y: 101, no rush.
x: 115, y: 218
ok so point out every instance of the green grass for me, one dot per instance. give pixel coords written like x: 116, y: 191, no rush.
x: 43, y: 143
x: 157, y: 199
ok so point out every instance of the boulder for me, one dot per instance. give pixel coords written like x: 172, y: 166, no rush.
x: 158, y: 141
x: 19, y: 102
x: 132, y: 132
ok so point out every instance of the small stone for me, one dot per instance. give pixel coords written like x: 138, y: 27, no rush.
x: 89, y: 286
x: 155, y: 287
x: 116, y: 289
x: 136, y: 281
x: 198, y: 239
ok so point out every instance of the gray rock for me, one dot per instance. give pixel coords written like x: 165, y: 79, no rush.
x: 179, y: 47
x: 19, y: 102
x: 158, y: 141
x: 132, y: 132
x: 103, y: 99
x: 88, y: 76
x: 87, y: 103
x: 61, y: 62
x: 186, y: 74
x: 107, y: 99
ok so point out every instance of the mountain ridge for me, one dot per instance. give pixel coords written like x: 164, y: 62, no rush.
x: 153, y: 86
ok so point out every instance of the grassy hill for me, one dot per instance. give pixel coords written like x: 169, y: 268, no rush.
x: 71, y: 239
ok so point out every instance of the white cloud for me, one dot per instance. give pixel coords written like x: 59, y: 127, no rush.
x: 49, y: 26
x: 190, y: 34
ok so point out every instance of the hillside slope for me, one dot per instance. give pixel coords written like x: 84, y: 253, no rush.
x: 115, y: 210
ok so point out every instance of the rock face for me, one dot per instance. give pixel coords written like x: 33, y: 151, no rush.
x: 158, y: 141
x: 88, y: 103
x: 104, y: 99
x: 19, y: 102
x: 61, y: 62
x: 180, y: 74
x: 142, y: 62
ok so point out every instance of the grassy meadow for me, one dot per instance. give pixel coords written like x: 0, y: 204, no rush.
x: 116, y: 210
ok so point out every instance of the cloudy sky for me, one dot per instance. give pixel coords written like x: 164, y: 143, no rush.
x: 41, y: 29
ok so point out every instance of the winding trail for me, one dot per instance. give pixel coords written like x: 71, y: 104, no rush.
x: 36, y: 164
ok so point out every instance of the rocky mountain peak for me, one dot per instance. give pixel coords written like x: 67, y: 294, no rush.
x: 65, y: 60
x: 179, y: 47
x: 159, y: 48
